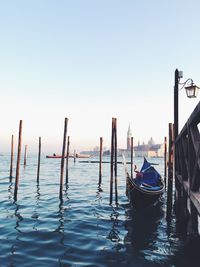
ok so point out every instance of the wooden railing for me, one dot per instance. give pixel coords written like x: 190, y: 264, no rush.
x: 187, y: 167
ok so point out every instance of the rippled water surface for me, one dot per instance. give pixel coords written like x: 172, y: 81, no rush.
x: 82, y: 229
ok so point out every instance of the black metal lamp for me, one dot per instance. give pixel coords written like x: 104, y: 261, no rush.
x: 192, y: 90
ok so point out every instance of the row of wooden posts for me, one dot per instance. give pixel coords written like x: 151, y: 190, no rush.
x: 65, y: 154
x: 39, y: 159
x: 113, y: 161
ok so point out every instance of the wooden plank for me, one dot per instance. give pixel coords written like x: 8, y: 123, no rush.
x: 194, y: 157
x: 194, y: 196
x: 194, y: 119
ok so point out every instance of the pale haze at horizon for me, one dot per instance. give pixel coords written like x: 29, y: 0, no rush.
x: 90, y: 61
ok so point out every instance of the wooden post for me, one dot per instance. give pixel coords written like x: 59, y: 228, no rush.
x: 131, y: 157
x: 63, y: 157
x: 115, y: 150
x: 111, y: 161
x: 170, y: 171
x: 176, y: 108
x: 165, y: 160
x: 100, y: 160
x: 25, y: 155
x: 18, y: 160
x: 74, y: 156
x: 11, y: 156
x: 39, y: 156
x: 67, y: 159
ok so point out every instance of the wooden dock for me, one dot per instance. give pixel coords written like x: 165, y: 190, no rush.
x: 187, y: 174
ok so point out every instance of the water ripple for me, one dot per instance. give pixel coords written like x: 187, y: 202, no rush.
x: 81, y: 229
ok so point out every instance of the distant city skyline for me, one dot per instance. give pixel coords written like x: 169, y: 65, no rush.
x: 90, y: 61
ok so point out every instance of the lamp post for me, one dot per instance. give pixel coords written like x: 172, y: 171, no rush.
x: 191, y: 91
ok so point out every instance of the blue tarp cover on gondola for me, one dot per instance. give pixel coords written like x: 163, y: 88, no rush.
x: 148, y: 174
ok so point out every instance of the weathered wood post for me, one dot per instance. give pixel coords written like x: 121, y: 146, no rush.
x: 100, y: 160
x: 111, y: 161
x: 131, y: 157
x: 25, y: 155
x: 115, y: 150
x: 39, y: 156
x: 67, y: 159
x: 63, y: 157
x: 18, y: 160
x: 165, y: 160
x: 170, y: 171
x: 11, y: 156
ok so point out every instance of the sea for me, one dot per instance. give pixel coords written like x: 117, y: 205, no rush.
x: 82, y: 228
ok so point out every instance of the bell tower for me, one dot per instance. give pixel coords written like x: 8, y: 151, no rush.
x: 128, y: 140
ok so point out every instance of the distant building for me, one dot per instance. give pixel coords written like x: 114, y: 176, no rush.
x: 145, y: 150
x: 149, y: 150
x: 141, y: 150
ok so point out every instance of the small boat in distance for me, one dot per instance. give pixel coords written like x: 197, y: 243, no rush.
x: 147, y: 186
x: 55, y: 156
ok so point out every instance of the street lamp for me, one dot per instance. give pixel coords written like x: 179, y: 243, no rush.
x: 191, y: 92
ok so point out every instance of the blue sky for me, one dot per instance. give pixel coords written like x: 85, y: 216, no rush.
x: 91, y: 60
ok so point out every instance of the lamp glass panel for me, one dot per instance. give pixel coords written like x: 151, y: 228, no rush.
x: 191, y: 91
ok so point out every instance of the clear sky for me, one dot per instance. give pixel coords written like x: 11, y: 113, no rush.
x: 91, y: 60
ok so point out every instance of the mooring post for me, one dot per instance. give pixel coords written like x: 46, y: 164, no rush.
x: 111, y: 161
x: 25, y: 155
x: 63, y: 157
x: 131, y: 157
x: 18, y: 160
x: 67, y: 159
x: 39, y: 156
x: 170, y: 171
x: 165, y: 160
x: 115, y: 150
x: 11, y: 156
x: 100, y: 160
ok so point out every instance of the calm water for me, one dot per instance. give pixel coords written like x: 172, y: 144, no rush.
x: 83, y: 229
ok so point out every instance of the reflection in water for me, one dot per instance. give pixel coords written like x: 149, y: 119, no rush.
x: 10, y: 191
x: 90, y: 233
x: 99, y: 189
x: 13, y: 249
x: 142, y: 227
x: 114, y: 235
x: 61, y: 220
x: 66, y: 191
x: 19, y: 218
x: 98, y: 194
x: 35, y: 215
x: 114, y: 232
x: 60, y: 228
x: 61, y: 214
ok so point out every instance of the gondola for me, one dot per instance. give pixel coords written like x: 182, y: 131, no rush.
x: 146, y: 188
